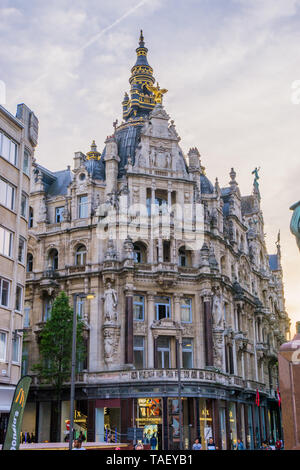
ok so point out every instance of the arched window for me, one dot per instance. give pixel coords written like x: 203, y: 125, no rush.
x: 53, y: 259
x: 140, y: 252
x: 184, y: 257
x: 29, y: 264
x: 80, y: 255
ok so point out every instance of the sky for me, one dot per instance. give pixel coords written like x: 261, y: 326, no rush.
x: 231, y: 68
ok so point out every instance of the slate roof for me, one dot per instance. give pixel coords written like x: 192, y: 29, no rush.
x: 206, y: 186
x: 56, y: 182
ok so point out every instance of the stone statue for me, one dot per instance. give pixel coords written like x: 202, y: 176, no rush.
x: 217, y: 309
x: 153, y: 158
x: 110, y: 304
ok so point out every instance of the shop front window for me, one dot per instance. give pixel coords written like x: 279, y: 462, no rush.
x: 149, y: 418
x: 206, y: 423
x: 223, y: 426
x: 250, y: 439
x: 232, y: 425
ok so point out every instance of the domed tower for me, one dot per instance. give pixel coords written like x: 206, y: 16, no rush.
x: 137, y: 106
x: 142, y: 99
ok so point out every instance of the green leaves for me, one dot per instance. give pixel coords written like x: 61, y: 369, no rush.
x: 56, y: 344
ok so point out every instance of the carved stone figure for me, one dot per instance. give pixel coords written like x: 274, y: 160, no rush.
x: 153, y: 158
x: 111, y: 345
x: 110, y: 304
x: 111, y: 253
x: 217, y: 309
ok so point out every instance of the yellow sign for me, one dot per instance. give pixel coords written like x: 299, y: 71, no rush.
x: 20, y: 397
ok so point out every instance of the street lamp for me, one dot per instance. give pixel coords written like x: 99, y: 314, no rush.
x: 73, y: 366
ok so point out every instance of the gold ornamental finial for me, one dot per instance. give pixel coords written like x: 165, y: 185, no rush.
x: 158, y: 92
x: 93, y: 154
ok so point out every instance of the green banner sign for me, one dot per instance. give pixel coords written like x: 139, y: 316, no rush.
x: 12, y: 437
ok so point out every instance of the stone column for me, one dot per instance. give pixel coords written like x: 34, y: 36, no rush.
x: 208, y: 336
x: 177, y: 312
x: 216, y: 423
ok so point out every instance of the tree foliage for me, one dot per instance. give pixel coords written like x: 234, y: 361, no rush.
x: 55, y: 345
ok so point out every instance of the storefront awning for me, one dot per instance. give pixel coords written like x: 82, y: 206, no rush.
x: 6, y: 397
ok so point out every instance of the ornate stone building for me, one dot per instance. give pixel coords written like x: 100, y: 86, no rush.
x: 178, y: 268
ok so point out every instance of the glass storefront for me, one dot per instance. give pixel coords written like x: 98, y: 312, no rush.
x: 206, y: 422
x: 250, y: 435
x: 232, y: 425
x: 223, y: 425
x: 149, y: 418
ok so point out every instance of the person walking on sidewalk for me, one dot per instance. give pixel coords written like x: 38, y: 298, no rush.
x: 197, y: 445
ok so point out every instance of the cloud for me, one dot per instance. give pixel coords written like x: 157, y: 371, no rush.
x: 228, y: 67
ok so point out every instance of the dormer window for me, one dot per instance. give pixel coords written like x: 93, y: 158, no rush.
x: 59, y: 215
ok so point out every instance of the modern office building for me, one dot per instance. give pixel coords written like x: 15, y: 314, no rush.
x: 18, y: 138
x: 186, y: 300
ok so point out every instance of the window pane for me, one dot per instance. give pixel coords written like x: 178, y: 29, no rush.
x: 21, y: 252
x: 2, y: 346
x: 10, y: 197
x: 26, y: 317
x: 15, y: 349
x: 80, y: 306
x: 186, y: 310
x: 24, y: 206
x: 13, y: 153
x: 162, y: 305
x: 138, y: 357
x: 18, y: 299
x: 83, y: 207
x: 138, y: 307
x: 5, y: 242
x: 26, y: 163
x: 138, y: 342
x: 187, y: 354
x: 3, y: 192
x: 59, y: 215
x: 4, y: 293
x: 5, y: 147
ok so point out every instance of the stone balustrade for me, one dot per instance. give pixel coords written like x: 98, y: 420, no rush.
x: 171, y: 375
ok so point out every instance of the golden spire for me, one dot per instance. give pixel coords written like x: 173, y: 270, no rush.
x: 93, y: 154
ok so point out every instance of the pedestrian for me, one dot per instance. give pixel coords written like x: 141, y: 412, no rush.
x: 197, y: 445
x: 139, y: 446
x: 77, y: 445
x: 240, y: 445
x: 211, y: 445
x: 278, y: 444
x: 81, y: 436
x: 153, y: 442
